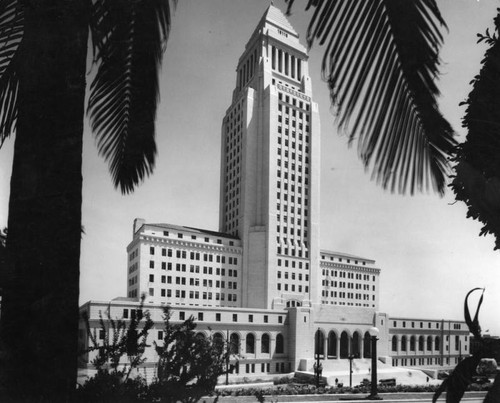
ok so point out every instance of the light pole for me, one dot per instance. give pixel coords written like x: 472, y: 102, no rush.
x: 228, y: 352
x: 351, y: 357
x: 374, y: 389
x: 318, y: 368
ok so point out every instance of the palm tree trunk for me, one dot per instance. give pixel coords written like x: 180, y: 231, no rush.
x: 39, y: 323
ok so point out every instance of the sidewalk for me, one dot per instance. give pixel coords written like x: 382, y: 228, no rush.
x: 470, y: 397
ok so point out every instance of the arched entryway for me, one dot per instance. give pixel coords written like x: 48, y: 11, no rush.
x: 319, y: 343
x: 344, y: 345
x: 332, y: 345
x: 355, y: 348
x: 367, y: 347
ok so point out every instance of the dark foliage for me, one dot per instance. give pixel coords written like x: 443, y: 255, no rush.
x: 462, y: 376
x: 109, y: 387
x: 43, y: 60
x: 477, y: 173
x: 121, y: 338
x: 189, y: 364
x: 381, y: 62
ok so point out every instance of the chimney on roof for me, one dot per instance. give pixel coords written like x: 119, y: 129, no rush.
x: 138, y: 223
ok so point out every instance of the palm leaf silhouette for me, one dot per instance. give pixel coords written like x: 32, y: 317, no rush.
x: 11, y: 34
x: 128, y: 39
x: 380, y: 63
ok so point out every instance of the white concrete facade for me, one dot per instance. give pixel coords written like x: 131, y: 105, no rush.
x: 263, y: 276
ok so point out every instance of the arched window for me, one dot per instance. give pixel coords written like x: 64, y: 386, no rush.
x: 264, y: 344
x: 404, y: 342
x: 250, y: 344
x: 412, y: 343
x: 234, y: 344
x: 437, y: 343
x: 421, y: 343
x: 355, y: 345
x: 429, y: 343
x: 344, y: 345
x: 280, y: 348
x: 394, y: 343
x: 200, y: 335
x: 332, y: 344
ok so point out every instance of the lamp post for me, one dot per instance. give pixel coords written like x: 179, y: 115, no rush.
x: 350, y: 357
x: 228, y: 351
x: 374, y: 389
x: 318, y: 368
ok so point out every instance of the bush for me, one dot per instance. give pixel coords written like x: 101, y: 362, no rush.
x: 106, y: 387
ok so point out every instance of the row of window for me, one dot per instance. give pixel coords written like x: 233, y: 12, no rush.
x: 292, y: 287
x: 332, y: 259
x: 292, y: 276
x: 235, y: 317
x: 250, y: 343
x: 348, y: 295
x: 293, y: 112
x: 193, y: 237
x: 194, y: 295
x: 294, y: 102
x: 343, y: 284
x: 292, y: 251
x: 419, y: 361
x: 348, y: 275
x: 396, y: 323
x: 292, y: 263
x: 413, y: 343
x: 328, y: 302
x: 183, y: 254
x: 182, y: 267
x: 193, y: 282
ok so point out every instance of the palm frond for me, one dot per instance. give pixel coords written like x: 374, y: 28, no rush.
x: 11, y: 34
x: 477, y: 180
x: 473, y: 324
x: 128, y: 38
x: 380, y: 62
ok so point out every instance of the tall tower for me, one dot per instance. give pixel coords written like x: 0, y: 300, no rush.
x: 270, y: 168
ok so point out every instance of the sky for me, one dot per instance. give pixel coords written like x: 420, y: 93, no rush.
x: 429, y: 254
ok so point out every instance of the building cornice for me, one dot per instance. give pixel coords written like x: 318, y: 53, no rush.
x: 190, y: 244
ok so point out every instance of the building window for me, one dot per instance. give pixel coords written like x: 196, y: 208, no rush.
x: 182, y: 315
x: 250, y: 318
x: 235, y: 316
x: 217, y: 317
x: 151, y: 250
x: 264, y: 344
x: 250, y: 344
x: 200, y: 316
x: 279, y: 344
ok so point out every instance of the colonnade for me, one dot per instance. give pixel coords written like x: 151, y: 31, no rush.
x: 332, y: 346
